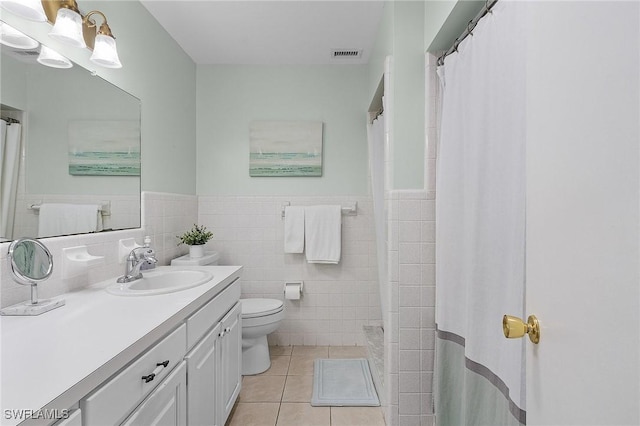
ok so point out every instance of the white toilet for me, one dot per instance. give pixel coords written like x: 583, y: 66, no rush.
x: 259, y: 318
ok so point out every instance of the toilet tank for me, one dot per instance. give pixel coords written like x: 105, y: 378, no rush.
x: 210, y: 258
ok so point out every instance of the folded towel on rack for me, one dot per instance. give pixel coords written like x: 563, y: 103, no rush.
x: 323, y: 233
x: 294, y: 229
x: 66, y: 219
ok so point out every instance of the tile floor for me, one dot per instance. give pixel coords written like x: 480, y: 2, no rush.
x: 281, y: 395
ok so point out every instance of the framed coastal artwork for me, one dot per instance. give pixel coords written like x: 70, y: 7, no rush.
x: 285, y: 148
x: 104, y: 147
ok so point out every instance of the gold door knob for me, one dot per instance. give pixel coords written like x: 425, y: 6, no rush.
x: 514, y: 327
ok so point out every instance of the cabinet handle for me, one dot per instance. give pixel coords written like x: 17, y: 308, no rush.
x: 157, y: 370
x: 222, y: 333
x: 227, y: 330
x: 149, y: 377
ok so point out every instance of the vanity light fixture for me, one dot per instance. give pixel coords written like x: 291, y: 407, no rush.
x: 70, y: 27
x: 27, y: 9
x: 11, y: 37
x: 53, y: 59
x: 68, y: 24
x: 105, y: 52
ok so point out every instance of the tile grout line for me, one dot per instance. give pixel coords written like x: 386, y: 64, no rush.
x: 286, y: 378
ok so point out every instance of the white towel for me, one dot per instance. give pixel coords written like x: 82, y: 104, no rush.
x: 323, y: 233
x: 66, y: 219
x: 293, y: 229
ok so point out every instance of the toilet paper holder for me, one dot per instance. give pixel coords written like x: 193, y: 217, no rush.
x: 294, y: 290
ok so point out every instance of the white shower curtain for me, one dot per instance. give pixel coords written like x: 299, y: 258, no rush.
x: 480, y: 224
x: 10, y: 135
x: 376, y: 135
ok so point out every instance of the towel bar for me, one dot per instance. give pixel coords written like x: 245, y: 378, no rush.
x: 105, y: 208
x: 346, y: 211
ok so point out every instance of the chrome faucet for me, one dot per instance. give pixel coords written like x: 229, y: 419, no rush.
x: 138, y: 257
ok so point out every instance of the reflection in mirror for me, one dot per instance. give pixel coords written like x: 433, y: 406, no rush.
x: 31, y: 263
x: 71, y: 151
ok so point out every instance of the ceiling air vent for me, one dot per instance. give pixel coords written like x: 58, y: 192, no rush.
x: 346, y: 53
x: 26, y: 56
x: 26, y: 52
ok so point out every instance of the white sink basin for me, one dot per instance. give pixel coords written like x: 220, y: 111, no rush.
x: 160, y: 282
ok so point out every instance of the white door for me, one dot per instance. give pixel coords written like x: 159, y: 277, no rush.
x: 202, y: 392
x: 231, y: 359
x: 582, y: 213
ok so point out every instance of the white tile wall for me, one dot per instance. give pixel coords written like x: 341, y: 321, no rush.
x: 163, y: 216
x: 410, y: 334
x: 337, y: 300
x: 409, y: 339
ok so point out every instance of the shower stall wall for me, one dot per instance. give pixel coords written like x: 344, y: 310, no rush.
x: 408, y: 285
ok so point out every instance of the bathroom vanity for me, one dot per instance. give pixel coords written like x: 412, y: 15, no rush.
x: 106, y: 359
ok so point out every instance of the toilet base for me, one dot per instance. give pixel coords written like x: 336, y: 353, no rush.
x: 255, y: 355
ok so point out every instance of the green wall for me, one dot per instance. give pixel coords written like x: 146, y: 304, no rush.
x: 401, y: 35
x: 158, y: 72
x: 382, y: 48
x: 229, y: 97
x: 408, y: 93
x: 446, y: 20
x: 435, y: 14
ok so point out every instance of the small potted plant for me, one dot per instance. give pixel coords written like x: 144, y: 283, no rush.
x: 196, y: 238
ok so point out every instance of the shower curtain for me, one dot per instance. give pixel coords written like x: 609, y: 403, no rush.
x: 10, y: 135
x: 376, y: 139
x: 480, y: 225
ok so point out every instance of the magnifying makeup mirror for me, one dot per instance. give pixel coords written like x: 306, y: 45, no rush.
x: 31, y: 263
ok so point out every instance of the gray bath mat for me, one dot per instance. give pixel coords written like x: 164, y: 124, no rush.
x: 343, y: 383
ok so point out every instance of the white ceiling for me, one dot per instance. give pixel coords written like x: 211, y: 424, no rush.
x: 269, y: 32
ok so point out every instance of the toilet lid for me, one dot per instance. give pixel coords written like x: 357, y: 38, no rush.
x: 255, y: 307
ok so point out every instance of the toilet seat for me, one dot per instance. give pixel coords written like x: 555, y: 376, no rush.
x: 256, y: 307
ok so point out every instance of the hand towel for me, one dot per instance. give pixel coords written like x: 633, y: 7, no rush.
x: 293, y: 229
x: 323, y: 233
x: 66, y: 219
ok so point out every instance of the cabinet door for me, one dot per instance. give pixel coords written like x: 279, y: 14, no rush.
x: 74, y: 419
x: 166, y: 405
x: 231, y: 359
x: 202, y: 391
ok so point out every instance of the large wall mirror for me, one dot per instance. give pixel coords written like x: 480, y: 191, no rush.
x: 77, y: 145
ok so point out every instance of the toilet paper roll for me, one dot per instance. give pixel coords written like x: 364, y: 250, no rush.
x: 292, y: 291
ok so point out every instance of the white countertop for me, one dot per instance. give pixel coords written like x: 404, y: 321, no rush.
x: 54, y: 359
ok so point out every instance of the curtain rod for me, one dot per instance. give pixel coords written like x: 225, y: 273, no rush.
x: 10, y: 120
x: 488, y: 5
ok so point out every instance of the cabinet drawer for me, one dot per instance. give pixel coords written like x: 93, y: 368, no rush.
x: 166, y: 404
x: 116, y: 398
x: 74, y: 419
x: 200, y: 322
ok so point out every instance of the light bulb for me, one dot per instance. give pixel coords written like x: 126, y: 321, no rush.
x: 105, y: 52
x: 51, y: 58
x: 27, y: 9
x: 68, y: 28
x: 11, y: 37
